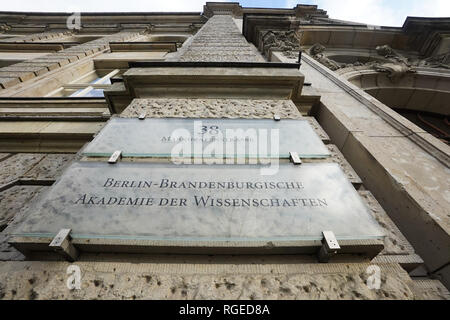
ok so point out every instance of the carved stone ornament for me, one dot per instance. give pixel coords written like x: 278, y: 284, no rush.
x: 4, y: 28
x: 317, y: 52
x: 285, y: 41
x: 396, y: 65
x: 149, y: 28
x: 437, y: 61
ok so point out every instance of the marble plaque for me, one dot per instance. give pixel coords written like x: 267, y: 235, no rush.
x: 144, y: 201
x: 207, y: 138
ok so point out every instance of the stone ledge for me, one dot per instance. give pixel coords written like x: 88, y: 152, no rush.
x: 38, y: 247
x: 6, y: 82
x: 214, y: 82
x: 22, y: 75
x: 102, y: 280
x: 49, y: 65
x: 37, y: 70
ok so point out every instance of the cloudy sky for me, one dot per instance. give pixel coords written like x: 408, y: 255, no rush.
x: 376, y: 12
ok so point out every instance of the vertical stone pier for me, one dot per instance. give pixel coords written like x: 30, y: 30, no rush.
x: 220, y: 40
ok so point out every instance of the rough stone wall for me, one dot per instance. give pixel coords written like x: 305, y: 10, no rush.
x: 24, y: 176
x: 181, y: 281
x: 212, y: 108
x: 29, y: 69
x: 220, y: 40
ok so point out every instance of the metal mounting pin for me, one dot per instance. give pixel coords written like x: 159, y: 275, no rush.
x: 330, y: 247
x: 62, y: 244
x: 115, y: 157
x: 295, y: 158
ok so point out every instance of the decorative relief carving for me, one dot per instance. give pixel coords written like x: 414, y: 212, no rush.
x: 285, y: 41
x: 4, y: 27
x: 387, y: 59
x: 317, y: 52
x: 396, y: 65
x: 437, y: 61
x: 149, y: 28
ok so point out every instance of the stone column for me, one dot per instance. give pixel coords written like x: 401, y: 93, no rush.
x: 220, y: 40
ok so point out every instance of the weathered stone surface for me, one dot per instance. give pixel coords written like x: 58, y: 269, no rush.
x: 61, y: 61
x: 212, y: 108
x: 38, y: 36
x: 65, y: 55
x: 17, y: 165
x: 22, y: 75
x: 13, y: 201
x: 318, y: 129
x: 6, y: 82
x: 4, y: 155
x: 395, y: 242
x: 17, y: 202
x: 50, y: 167
x: 35, y: 280
x: 49, y: 65
x: 220, y: 40
x: 286, y: 41
x: 430, y: 290
x: 37, y: 70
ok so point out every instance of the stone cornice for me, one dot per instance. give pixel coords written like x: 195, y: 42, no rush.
x: 235, y: 9
x: 426, y: 33
x: 33, y: 22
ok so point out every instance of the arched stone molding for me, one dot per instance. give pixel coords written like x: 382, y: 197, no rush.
x: 425, y: 90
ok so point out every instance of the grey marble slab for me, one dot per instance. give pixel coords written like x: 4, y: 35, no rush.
x: 134, y: 201
x: 217, y: 138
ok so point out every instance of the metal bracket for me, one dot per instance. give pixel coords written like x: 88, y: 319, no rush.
x: 295, y: 158
x: 300, y: 59
x: 62, y: 244
x: 142, y: 116
x: 276, y: 117
x: 115, y: 157
x: 330, y: 247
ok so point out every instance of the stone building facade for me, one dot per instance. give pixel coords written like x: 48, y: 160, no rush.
x: 376, y: 96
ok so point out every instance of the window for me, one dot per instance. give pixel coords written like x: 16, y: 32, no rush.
x: 90, y: 85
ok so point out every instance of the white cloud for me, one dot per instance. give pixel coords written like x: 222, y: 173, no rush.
x: 381, y: 12
x: 367, y: 11
x: 435, y: 8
